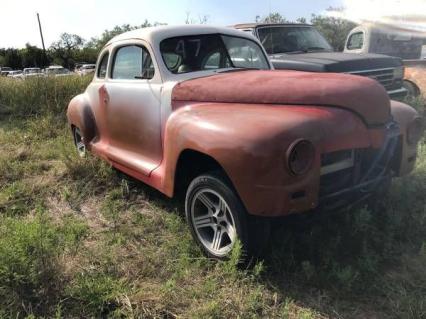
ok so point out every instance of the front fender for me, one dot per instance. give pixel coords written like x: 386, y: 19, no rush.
x: 404, y: 115
x: 250, y: 142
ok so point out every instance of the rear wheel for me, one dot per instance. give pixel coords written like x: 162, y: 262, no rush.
x: 217, y: 219
x: 79, y: 142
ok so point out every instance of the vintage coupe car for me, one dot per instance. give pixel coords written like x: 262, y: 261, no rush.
x: 199, y: 109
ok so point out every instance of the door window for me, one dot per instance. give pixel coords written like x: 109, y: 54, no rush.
x: 132, y: 62
x: 102, y: 69
x: 356, y: 41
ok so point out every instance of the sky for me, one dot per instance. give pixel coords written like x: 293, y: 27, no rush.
x: 89, y: 18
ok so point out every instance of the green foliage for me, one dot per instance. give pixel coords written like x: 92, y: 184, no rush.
x: 30, y: 273
x: 334, y: 29
x: 66, y: 48
x: 95, y: 293
x: 98, y: 42
x: 273, y: 17
x: 30, y: 56
x: 37, y: 96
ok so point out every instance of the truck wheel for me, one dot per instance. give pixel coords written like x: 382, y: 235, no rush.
x: 79, y: 142
x: 217, y: 218
x: 413, y: 90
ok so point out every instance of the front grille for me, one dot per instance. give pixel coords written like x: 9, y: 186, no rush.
x: 383, y: 76
x: 333, y: 181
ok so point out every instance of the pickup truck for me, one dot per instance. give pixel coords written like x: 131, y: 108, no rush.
x: 302, y: 47
x: 409, y: 46
x: 199, y: 111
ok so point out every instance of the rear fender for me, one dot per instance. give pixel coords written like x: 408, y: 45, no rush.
x: 80, y: 115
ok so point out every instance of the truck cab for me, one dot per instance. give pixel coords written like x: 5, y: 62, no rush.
x: 302, y: 47
x: 408, y: 46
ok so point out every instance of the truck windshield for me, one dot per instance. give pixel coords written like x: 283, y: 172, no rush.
x: 210, y: 52
x: 292, y: 39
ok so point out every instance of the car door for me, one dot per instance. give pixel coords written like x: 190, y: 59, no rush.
x: 132, y: 108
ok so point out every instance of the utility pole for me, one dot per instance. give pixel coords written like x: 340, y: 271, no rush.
x: 41, y: 35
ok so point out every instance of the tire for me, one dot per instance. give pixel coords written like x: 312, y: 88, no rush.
x: 413, y: 90
x: 79, y: 142
x: 217, y: 217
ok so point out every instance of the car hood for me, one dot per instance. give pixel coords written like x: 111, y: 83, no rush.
x: 333, y: 61
x: 361, y: 95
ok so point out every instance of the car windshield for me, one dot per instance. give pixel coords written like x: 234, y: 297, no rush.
x: 211, y: 52
x: 292, y: 39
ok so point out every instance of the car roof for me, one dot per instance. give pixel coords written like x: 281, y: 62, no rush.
x: 255, y: 25
x: 156, y: 34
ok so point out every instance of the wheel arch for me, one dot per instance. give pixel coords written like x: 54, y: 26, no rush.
x: 192, y: 163
x: 410, y: 85
x: 80, y: 115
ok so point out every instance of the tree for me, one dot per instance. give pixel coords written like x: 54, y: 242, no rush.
x: 202, y: 19
x: 334, y: 29
x: 273, y: 17
x: 66, y: 48
x: 33, y: 57
x: 11, y: 58
x: 98, y: 43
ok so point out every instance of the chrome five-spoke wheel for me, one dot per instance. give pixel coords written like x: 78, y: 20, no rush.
x: 213, y: 222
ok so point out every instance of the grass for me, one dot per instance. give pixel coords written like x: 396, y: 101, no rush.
x: 79, y: 240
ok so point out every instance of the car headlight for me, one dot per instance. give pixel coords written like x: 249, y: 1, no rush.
x: 415, y: 131
x: 398, y: 72
x: 300, y: 156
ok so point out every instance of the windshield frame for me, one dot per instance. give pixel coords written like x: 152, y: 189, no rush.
x: 330, y: 49
x: 218, y: 70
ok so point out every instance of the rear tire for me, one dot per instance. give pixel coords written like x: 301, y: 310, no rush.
x: 79, y: 142
x: 217, y: 217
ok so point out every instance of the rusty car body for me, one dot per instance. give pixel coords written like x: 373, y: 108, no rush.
x: 199, y: 109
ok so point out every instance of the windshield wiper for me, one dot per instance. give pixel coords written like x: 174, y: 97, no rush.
x: 238, y: 69
x: 312, y: 49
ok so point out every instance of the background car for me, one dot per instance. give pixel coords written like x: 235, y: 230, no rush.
x: 294, y: 46
x: 14, y: 74
x: 32, y: 72
x: 87, y: 69
x: 57, y: 70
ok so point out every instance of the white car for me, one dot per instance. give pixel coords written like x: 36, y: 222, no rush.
x: 31, y: 72
x: 57, y: 70
x: 14, y: 74
x: 87, y: 69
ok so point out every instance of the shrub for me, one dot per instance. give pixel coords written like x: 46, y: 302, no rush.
x: 35, y: 96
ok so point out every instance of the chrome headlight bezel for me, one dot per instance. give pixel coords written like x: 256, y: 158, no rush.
x: 300, y: 157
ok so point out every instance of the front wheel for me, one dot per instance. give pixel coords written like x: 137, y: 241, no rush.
x: 217, y: 218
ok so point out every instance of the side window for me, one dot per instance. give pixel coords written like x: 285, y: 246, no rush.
x: 356, y: 41
x: 132, y: 62
x: 102, y: 68
x: 212, y: 61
